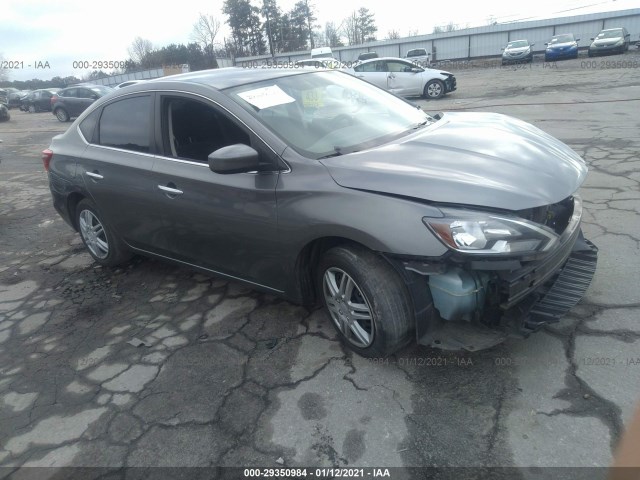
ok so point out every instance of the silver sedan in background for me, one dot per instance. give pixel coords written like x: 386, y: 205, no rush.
x: 404, y: 78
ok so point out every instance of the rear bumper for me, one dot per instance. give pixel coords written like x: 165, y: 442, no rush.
x: 59, y: 193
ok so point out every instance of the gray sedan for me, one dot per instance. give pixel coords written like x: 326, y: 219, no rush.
x: 454, y: 231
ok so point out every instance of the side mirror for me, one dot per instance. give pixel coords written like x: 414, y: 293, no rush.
x: 532, y: 45
x: 417, y: 70
x: 238, y: 158
x: 502, y: 49
x: 592, y: 38
x: 93, y: 96
x: 546, y: 44
x: 577, y: 40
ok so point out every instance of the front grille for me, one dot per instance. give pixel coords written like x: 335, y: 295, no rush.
x: 554, y: 216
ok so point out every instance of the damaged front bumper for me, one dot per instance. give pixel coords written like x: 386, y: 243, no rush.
x: 478, y: 304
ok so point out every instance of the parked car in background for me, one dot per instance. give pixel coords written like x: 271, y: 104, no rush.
x: 15, y: 97
x: 321, y: 188
x: 561, y: 46
x: 518, y: 51
x: 38, y: 100
x: 4, y: 106
x: 321, y: 52
x: 72, y: 101
x: 610, y: 41
x: 404, y: 78
x: 367, y: 56
x: 419, y: 56
x: 12, y: 96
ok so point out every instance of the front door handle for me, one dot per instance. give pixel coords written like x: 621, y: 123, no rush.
x: 170, y: 191
x: 391, y: 75
x: 94, y: 175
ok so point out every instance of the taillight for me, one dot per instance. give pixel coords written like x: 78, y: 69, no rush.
x: 47, y: 155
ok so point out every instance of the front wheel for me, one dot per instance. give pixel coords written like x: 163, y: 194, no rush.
x: 62, y: 115
x: 367, y: 301
x: 100, y: 240
x: 32, y: 109
x: 434, y: 89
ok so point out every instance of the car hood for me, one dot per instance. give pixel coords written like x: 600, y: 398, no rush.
x: 607, y: 41
x: 481, y: 159
x: 516, y: 50
x: 560, y: 45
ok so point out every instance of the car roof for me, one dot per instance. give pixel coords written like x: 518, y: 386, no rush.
x: 611, y: 29
x: 221, y: 78
x: 521, y: 40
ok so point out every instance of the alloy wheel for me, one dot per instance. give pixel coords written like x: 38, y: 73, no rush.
x: 348, y: 307
x: 93, y: 234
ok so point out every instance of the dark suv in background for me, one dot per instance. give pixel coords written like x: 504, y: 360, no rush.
x: 72, y: 101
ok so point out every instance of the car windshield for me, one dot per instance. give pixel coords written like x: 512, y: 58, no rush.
x: 518, y: 44
x: 328, y: 113
x: 609, y: 34
x: 562, y: 39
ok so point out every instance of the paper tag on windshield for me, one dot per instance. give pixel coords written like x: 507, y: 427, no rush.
x: 266, y: 97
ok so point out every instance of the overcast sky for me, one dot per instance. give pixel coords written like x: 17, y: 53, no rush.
x: 72, y: 30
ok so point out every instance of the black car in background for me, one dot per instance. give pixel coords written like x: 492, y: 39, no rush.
x: 72, y: 101
x: 610, y: 41
x: 38, y: 100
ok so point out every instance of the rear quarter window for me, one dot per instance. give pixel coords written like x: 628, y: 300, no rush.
x: 126, y: 124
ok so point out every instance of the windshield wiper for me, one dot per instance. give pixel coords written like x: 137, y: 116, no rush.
x: 337, y: 152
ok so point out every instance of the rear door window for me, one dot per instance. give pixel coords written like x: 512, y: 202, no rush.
x: 126, y: 124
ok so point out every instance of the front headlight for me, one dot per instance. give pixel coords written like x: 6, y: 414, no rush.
x: 482, y: 233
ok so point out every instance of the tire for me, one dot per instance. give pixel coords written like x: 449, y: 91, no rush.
x: 101, y: 242
x: 61, y: 114
x: 434, y: 89
x: 350, y: 276
x: 32, y: 109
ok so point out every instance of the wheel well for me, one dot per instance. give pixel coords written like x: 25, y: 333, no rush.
x: 72, y: 203
x: 308, y: 260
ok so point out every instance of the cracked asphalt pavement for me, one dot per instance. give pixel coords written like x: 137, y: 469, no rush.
x: 155, y: 365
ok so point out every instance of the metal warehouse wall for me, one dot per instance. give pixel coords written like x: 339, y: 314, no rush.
x: 482, y: 41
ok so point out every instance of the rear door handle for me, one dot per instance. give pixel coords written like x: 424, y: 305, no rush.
x: 170, y: 191
x: 94, y: 175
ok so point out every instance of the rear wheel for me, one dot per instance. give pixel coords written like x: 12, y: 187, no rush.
x: 62, y: 115
x: 434, y: 89
x: 100, y: 240
x: 367, y: 301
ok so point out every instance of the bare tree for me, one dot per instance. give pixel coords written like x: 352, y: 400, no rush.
x: 205, y: 31
x: 351, y: 30
x: 140, y: 50
x: 393, y: 35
